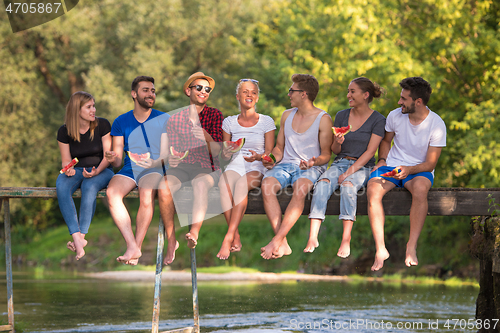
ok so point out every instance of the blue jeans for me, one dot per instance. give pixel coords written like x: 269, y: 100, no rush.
x: 66, y: 186
x: 348, y: 194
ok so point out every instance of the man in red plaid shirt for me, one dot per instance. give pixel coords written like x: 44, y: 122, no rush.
x: 198, y: 130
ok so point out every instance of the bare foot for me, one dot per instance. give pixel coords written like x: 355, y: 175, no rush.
x: 380, y: 257
x: 70, y: 245
x: 344, y: 249
x: 312, y: 244
x: 79, y: 254
x: 130, y: 257
x: 79, y: 242
x: 170, y: 256
x: 236, y: 244
x: 225, y: 249
x: 285, y: 249
x: 411, y: 257
x: 235, y: 247
x: 132, y: 262
x: 271, y: 250
x: 192, y: 240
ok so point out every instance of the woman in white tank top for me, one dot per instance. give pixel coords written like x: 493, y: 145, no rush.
x: 245, y: 170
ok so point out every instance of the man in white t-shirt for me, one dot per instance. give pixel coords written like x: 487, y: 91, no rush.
x: 419, y: 135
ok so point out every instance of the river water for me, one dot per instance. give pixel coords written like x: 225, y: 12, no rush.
x: 62, y: 302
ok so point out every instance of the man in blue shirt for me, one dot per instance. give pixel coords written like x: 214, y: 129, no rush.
x: 138, y: 132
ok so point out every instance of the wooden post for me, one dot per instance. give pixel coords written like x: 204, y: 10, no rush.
x: 159, y: 267
x: 8, y: 268
x: 194, y: 283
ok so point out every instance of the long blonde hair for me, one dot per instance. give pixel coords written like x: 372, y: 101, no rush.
x: 72, y: 118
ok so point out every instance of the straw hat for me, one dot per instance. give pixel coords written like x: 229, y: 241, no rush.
x: 198, y: 75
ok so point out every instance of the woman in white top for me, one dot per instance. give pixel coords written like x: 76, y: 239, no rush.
x: 245, y: 171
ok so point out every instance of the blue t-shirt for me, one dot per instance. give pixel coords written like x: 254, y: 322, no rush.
x: 140, y: 138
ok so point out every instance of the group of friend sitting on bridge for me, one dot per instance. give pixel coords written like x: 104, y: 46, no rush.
x: 160, y: 152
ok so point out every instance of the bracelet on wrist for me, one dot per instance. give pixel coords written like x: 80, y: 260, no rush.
x: 382, y: 159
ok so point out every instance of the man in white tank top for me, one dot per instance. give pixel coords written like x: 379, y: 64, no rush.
x: 419, y: 136
x: 302, y: 153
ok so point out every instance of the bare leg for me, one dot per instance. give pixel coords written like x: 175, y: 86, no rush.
x: 226, y: 186
x: 244, y: 184
x: 201, y: 184
x: 118, y: 187
x: 270, y: 187
x: 419, y: 188
x: 313, y: 242
x: 147, y: 191
x: 167, y: 211
x: 275, y: 248
x: 345, y: 245
x: 377, y: 188
x: 144, y: 214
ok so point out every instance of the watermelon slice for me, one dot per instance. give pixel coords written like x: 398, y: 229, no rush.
x: 391, y: 173
x: 341, y: 130
x: 234, y: 146
x: 69, y: 165
x: 179, y: 155
x: 136, y: 158
x: 269, y: 158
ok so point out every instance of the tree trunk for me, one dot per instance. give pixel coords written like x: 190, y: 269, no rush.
x: 485, y: 245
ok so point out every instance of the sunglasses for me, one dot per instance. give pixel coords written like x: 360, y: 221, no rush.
x: 199, y: 87
x: 292, y: 90
x: 250, y: 80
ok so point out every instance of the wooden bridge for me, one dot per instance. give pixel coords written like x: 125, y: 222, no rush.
x: 442, y: 202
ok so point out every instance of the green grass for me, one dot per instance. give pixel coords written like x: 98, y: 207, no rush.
x: 423, y: 280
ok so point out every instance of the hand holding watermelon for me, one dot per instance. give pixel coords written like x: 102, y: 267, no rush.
x: 142, y: 160
x: 234, y: 146
x: 68, y: 169
x: 339, y: 133
x: 341, y: 130
x: 268, y: 160
x: 391, y: 173
x: 175, y: 156
x: 231, y: 147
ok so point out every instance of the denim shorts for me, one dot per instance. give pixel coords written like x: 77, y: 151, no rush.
x: 287, y: 173
x: 400, y: 182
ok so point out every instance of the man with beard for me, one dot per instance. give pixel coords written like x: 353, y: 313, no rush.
x: 419, y: 135
x: 198, y: 130
x: 137, y: 133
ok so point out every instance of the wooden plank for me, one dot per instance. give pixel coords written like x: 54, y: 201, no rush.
x: 6, y: 328
x: 442, y: 201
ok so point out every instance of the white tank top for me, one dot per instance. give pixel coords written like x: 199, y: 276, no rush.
x: 302, y: 146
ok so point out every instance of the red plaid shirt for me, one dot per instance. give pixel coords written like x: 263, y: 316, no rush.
x: 179, y: 134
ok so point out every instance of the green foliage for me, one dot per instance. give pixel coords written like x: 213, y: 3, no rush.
x: 494, y: 207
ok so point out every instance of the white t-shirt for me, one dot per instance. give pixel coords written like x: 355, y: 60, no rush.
x: 411, y: 142
x: 254, y: 140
